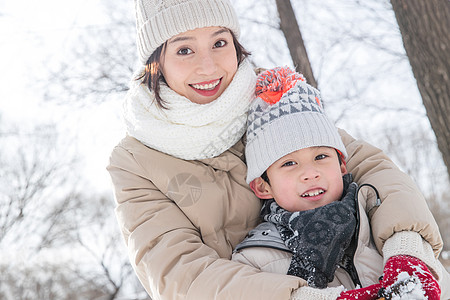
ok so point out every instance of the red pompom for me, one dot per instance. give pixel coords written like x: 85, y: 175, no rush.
x: 272, y: 84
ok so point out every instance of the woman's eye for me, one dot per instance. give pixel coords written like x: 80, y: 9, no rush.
x: 321, y: 156
x: 288, y: 163
x: 184, y: 51
x: 220, y: 44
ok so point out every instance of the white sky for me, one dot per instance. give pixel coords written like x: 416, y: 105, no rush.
x: 33, y: 31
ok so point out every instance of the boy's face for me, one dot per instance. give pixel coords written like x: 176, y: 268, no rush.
x: 305, y: 179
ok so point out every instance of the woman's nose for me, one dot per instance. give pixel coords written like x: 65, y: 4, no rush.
x: 206, y: 64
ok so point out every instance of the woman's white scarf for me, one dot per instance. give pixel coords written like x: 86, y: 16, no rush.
x: 189, y: 130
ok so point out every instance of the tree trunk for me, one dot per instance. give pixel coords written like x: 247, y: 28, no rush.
x: 291, y: 31
x: 425, y: 29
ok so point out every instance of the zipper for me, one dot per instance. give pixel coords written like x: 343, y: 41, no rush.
x: 347, y: 262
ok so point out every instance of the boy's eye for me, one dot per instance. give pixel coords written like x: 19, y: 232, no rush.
x: 220, y: 44
x: 288, y: 163
x: 321, y: 156
x: 184, y: 51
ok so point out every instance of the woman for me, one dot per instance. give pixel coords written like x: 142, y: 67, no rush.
x: 179, y: 175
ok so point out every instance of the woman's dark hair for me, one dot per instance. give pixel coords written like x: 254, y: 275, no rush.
x: 153, y: 75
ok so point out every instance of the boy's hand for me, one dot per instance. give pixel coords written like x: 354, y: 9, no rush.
x: 367, y: 293
x: 413, y: 273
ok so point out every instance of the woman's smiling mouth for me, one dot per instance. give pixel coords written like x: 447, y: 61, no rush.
x: 207, y: 88
x: 207, y: 85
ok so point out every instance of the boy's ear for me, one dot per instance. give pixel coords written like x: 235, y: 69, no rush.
x: 261, y: 188
x: 344, y: 169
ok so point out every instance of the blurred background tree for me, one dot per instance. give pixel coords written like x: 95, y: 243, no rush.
x: 425, y: 29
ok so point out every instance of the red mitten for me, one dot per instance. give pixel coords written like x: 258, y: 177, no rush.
x: 404, y: 275
x: 367, y: 293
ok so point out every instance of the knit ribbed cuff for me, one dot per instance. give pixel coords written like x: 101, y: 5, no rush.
x: 411, y: 243
x: 308, y: 293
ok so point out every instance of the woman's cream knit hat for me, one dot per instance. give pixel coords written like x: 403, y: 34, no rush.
x: 159, y: 20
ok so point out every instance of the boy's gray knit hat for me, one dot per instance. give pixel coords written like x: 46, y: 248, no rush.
x: 159, y: 20
x: 286, y: 116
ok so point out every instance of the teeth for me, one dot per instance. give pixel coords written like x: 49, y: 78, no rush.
x: 209, y: 86
x: 313, y: 193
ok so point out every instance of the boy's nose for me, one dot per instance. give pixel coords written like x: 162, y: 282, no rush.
x: 310, y: 174
x: 310, y: 177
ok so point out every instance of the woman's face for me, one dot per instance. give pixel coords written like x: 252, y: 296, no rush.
x: 200, y: 64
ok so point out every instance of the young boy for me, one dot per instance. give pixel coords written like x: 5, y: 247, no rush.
x: 315, y: 227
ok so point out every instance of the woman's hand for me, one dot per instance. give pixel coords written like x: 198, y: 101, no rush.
x: 338, y: 293
x: 367, y: 293
x: 405, y: 274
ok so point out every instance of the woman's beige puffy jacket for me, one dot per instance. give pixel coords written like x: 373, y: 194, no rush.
x: 182, y: 219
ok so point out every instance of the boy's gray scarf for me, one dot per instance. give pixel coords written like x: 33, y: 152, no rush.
x: 318, y: 237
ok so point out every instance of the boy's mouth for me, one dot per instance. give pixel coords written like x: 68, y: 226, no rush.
x: 313, y: 193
